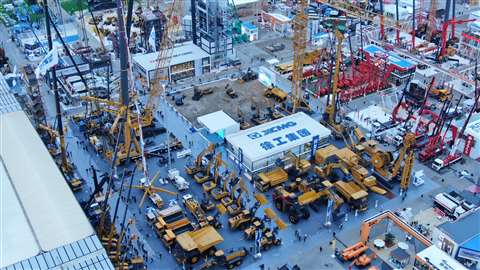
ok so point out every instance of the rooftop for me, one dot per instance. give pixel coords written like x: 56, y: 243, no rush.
x: 42, y: 222
x: 217, y: 121
x: 277, y: 136
x: 462, y: 229
x: 249, y: 25
x: 181, y: 53
x: 43, y: 214
x: 439, y: 259
x: 393, y: 58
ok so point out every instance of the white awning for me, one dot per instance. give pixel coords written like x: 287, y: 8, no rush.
x: 219, y: 122
x: 277, y: 136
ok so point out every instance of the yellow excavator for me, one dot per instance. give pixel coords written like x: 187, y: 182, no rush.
x: 209, y: 185
x: 234, y: 209
x: 203, y: 175
x: 299, y: 166
x: 197, y: 166
x: 221, y: 192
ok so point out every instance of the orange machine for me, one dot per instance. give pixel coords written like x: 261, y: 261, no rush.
x: 370, y: 222
x: 354, y: 251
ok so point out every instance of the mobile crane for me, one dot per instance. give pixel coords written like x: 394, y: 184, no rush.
x: 435, y: 144
x: 329, y: 117
x: 202, y: 218
x: 149, y: 189
x: 454, y: 156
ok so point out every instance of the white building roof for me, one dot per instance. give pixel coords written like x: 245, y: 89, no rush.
x: 181, y: 53
x: 277, y: 136
x: 280, y: 17
x: 38, y: 210
x: 439, y: 259
x: 242, y: 2
x: 473, y: 128
x: 217, y: 121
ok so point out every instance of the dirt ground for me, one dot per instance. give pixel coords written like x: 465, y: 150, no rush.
x: 219, y: 100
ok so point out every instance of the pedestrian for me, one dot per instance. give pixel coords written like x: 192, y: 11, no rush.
x: 160, y: 255
x: 305, y: 238
x: 340, y: 226
x: 321, y: 248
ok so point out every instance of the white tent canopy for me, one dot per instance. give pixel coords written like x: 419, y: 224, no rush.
x: 219, y: 122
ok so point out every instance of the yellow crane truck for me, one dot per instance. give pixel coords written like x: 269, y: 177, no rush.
x: 241, y: 220
x: 190, y: 246
x: 170, y: 221
x: 202, y: 218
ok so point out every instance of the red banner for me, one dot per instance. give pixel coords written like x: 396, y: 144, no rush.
x: 469, y: 142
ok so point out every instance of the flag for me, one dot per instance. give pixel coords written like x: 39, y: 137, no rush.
x: 152, y: 39
x: 49, y: 61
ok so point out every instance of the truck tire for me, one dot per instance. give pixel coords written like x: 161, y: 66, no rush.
x: 293, y: 218
x: 306, y: 214
x: 278, y: 205
x: 194, y: 260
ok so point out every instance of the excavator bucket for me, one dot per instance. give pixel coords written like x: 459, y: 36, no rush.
x: 281, y: 224
x: 221, y: 209
x: 270, y: 213
x: 261, y: 198
x: 378, y: 190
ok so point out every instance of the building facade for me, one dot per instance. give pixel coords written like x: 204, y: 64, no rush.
x: 187, y: 61
x: 211, y: 23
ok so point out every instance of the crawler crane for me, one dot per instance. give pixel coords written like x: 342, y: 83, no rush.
x: 329, y: 117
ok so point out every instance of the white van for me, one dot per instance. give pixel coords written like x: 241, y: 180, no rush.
x: 184, y: 153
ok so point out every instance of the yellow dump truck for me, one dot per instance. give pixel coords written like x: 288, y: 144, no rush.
x: 323, y: 153
x: 276, y: 93
x: 270, y: 179
x: 190, y: 246
x: 353, y: 194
